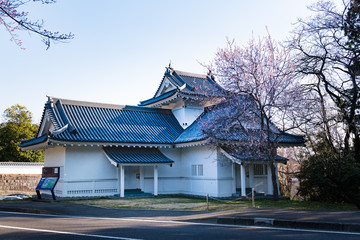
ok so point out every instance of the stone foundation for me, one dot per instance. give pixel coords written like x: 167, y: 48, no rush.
x: 19, y: 182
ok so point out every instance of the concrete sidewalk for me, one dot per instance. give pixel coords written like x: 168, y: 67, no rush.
x: 285, y: 218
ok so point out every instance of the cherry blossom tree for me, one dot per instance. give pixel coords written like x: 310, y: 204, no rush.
x: 262, y: 92
x: 13, y: 19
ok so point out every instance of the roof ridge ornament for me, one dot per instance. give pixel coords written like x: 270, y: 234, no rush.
x: 169, y: 68
x: 61, y: 130
x: 63, y: 117
x: 50, y: 99
x: 210, y: 75
x: 182, y: 87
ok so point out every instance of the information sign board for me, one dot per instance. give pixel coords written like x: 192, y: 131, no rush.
x: 47, y: 183
x: 50, y: 172
x: 50, y: 176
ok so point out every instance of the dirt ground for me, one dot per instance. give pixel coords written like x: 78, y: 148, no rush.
x: 168, y: 203
x: 8, y: 192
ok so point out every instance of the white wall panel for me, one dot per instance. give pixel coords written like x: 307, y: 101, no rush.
x: 88, y: 163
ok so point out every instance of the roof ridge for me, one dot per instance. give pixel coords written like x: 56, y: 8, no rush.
x: 145, y: 109
x: 188, y: 74
x: 187, y: 85
x: 87, y: 103
x: 109, y: 106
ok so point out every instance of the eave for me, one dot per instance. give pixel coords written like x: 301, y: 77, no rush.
x: 161, y: 102
x: 290, y: 144
x: 124, y: 156
x: 278, y: 159
x: 109, y: 144
x: 39, y: 146
x: 192, y: 143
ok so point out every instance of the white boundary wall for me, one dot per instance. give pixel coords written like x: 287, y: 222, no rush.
x: 21, y: 167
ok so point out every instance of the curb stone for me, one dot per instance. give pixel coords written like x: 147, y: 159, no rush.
x: 289, y: 224
x: 25, y: 210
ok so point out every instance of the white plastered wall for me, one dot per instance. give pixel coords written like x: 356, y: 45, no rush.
x: 170, y: 177
x: 89, y: 173
x: 85, y: 171
x: 186, y: 115
x: 230, y: 172
x: 226, y: 176
x: 179, y: 179
x: 55, y: 157
x: 200, y: 185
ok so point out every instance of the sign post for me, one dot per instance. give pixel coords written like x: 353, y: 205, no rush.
x: 50, y: 176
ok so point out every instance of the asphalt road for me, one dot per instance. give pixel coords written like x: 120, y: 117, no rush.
x: 32, y: 226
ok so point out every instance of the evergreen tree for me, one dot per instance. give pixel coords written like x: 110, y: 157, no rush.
x: 17, y: 126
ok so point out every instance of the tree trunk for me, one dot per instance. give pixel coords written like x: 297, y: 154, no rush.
x: 352, y: 198
x: 348, y: 194
x: 274, y: 182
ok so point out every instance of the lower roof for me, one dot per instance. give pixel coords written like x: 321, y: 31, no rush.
x: 239, y: 156
x: 126, y: 155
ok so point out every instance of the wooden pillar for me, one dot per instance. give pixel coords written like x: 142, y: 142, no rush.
x: 122, y: 181
x: 269, y: 180
x: 251, y: 175
x: 243, y: 185
x: 142, y: 178
x: 234, y: 177
x: 277, y: 178
x: 156, y: 180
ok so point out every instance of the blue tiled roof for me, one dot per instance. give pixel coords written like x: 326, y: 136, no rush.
x: 33, y: 141
x: 196, y: 85
x: 100, y: 123
x: 199, y: 128
x: 216, y: 117
x: 247, y: 157
x: 126, y: 155
x: 195, y: 132
x: 128, y: 125
x: 159, y: 98
x: 201, y: 85
x: 119, y: 124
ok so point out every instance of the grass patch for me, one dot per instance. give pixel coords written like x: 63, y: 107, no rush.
x: 292, y: 204
x: 161, y: 203
x: 199, y: 204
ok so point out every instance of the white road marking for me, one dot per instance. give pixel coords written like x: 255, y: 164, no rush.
x: 67, y: 233
x: 189, y: 223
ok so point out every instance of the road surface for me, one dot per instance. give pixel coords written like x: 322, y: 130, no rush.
x: 34, y: 226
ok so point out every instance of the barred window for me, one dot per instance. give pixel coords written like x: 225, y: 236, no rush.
x: 260, y: 169
x: 197, y: 170
x: 200, y: 170
x: 194, y: 170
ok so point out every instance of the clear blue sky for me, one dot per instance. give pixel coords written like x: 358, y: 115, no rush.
x: 121, y: 48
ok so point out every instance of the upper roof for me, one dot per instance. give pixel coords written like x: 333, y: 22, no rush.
x: 184, y: 84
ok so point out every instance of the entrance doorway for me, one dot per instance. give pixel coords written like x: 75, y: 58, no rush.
x: 132, y: 177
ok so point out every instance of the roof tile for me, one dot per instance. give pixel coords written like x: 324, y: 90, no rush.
x: 130, y: 124
x: 126, y: 155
